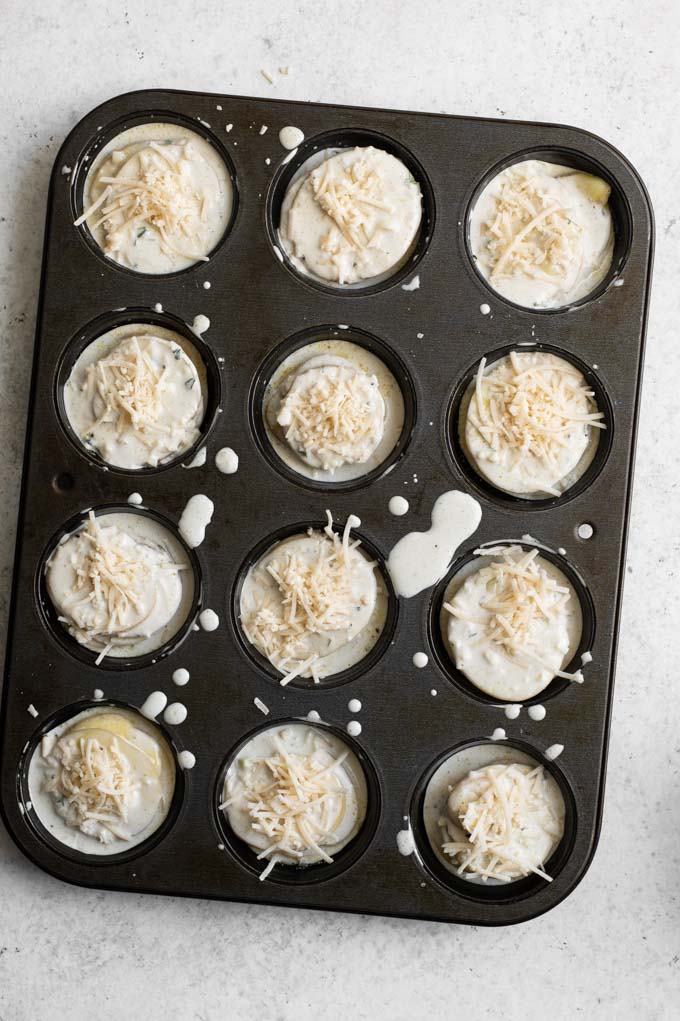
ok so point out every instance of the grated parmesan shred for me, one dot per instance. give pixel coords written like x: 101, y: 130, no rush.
x: 294, y: 800
x: 502, y: 823
x: 521, y: 594
x: 529, y: 410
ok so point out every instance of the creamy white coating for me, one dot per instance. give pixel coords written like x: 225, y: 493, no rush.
x: 78, y: 763
x: 350, y: 216
x: 137, y: 395
x: 163, y: 198
x: 195, y: 518
x: 333, y: 814
x: 121, y: 584
x: 481, y: 644
x: 542, y: 234
x: 420, y: 559
x: 455, y: 782
x: 529, y: 424
x: 338, y: 612
x: 305, y: 385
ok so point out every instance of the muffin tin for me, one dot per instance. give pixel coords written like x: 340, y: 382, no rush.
x: 436, y: 333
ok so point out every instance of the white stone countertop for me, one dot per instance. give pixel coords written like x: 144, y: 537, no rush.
x: 612, y: 949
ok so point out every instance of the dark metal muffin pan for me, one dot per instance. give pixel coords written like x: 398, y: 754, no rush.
x: 256, y: 303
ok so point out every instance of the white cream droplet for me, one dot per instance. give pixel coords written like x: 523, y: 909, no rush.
x: 135, y: 499
x: 226, y: 461
x: 405, y: 842
x: 412, y: 285
x: 209, y: 620
x: 420, y: 559
x: 97, y: 694
x: 536, y: 712
x: 498, y: 734
x: 196, y: 517
x: 554, y: 751
x: 154, y: 704
x: 198, y: 460
x: 291, y: 137
x: 420, y: 659
x: 175, y: 714
x: 512, y: 711
x: 354, y: 728
x: 398, y: 506
x: 181, y: 676
x: 313, y: 716
x: 354, y: 705
x: 187, y: 760
x: 485, y: 309
x: 200, y: 325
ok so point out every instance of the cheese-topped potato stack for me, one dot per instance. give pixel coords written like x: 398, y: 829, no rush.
x: 513, y: 624
x: 157, y: 199
x: 313, y: 604
x: 353, y: 217
x: 296, y: 795
x: 529, y: 423
x: 503, y: 822
x: 542, y: 234
x: 332, y: 413
x: 103, y: 781
x: 138, y: 402
x: 121, y: 585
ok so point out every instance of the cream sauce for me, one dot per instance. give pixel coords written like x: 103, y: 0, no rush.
x: 420, y: 559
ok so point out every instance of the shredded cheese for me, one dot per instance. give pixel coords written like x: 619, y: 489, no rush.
x: 350, y: 198
x: 520, y: 595
x: 96, y: 783
x: 333, y: 415
x: 525, y: 409
x: 293, y: 799
x: 160, y: 197
x: 116, y: 585
x: 313, y: 597
x: 532, y: 233
x: 502, y: 823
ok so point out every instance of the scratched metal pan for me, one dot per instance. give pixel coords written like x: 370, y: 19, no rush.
x: 432, y: 337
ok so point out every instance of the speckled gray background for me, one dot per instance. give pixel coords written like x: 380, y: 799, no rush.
x: 612, y: 950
